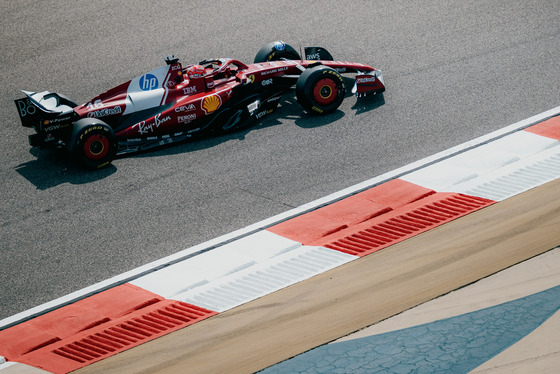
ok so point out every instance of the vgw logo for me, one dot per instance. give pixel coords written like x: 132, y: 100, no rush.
x: 148, y: 82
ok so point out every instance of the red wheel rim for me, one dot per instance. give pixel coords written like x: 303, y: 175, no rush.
x: 96, y: 147
x: 325, y: 91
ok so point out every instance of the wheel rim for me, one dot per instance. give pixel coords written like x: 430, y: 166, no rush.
x: 325, y: 91
x: 96, y: 147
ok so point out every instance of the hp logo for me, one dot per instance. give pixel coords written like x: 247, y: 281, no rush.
x: 148, y: 82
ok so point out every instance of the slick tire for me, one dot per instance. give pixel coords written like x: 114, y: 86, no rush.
x: 275, y: 51
x: 320, y: 90
x: 93, y: 144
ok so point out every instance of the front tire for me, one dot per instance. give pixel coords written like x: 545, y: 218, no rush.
x: 93, y: 143
x: 320, y: 90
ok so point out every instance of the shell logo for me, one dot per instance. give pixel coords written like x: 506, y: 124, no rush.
x: 211, y: 103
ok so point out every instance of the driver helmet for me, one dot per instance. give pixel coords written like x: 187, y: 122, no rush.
x: 195, y: 71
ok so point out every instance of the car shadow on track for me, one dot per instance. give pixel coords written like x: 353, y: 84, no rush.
x: 52, y: 168
x: 368, y: 103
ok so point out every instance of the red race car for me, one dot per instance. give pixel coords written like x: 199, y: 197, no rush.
x: 174, y: 103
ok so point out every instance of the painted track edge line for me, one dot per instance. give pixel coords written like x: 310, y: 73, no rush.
x: 251, y: 229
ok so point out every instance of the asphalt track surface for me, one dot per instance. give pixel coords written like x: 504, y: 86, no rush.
x: 454, y: 70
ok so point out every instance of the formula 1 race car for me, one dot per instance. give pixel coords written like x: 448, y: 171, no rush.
x: 174, y: 103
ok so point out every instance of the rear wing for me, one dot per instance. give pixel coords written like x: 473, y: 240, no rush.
x: 38, y: 106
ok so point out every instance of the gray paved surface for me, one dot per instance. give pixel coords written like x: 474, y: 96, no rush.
x: 455, y: 70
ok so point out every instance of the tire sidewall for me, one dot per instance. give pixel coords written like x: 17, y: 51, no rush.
x: 307, y: 83
x: 93, y: 143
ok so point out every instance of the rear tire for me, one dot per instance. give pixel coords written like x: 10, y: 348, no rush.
x: 93, y: 143
x: 320, y: 90
x: 276, y: 51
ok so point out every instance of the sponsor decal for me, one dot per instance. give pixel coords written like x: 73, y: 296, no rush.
x: 251, y: 78
x: 273, y: 99
x: 105, y: 112
x: 95, y: 105
x: 279, y: 45
x: 175, y: 67
x: 333, y: 72
x: 185, y: 108
x: 365, y: 80
x: 57, y: 127
x: 274, y: 71
x: 159, y: 121
x: 314, y: 56
x: 186, y: 119
x: 52, y: 128
x: 211, y: 103
x: 253, y: 106
x: 88, y: 130
x: 267, y: 82
x: 144, y: 128
x: 264, y: 113
x: 57, y: 120
x: 189, y: 90
x: 148, y: 82
x: 26, y: 109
